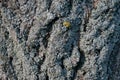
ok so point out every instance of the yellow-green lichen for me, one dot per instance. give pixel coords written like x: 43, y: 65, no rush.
x: 66, y: 24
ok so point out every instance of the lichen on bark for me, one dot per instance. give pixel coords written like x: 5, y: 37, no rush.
x: 36, y: 45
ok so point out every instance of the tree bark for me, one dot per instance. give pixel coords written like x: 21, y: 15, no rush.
x: 59, y: 40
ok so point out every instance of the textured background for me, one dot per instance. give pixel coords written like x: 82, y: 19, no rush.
x: 35, y: 45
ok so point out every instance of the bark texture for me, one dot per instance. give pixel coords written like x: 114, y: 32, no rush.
x: 35, y: 44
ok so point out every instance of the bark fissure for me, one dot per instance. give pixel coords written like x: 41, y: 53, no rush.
x: 36, y: 45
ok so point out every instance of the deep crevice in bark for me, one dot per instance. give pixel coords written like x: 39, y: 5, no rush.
x: 80, y: 63
x: 49, y: 29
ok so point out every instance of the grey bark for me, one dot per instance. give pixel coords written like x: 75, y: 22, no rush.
x: 36, y: 45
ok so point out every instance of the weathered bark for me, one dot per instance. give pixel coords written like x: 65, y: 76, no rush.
x: 35, y: 44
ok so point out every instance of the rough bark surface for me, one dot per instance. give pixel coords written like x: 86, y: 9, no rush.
x: 36, y: 45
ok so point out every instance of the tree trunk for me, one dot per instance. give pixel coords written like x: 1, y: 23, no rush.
x: 59, y: 39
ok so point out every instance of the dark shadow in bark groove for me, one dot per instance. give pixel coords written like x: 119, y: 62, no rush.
x: 49, y: 2
x: 82, y: 60
x: 37, y: 77
x: 13, y: 74
x: 47, y: 77
x: 40, y: 63
x: 71, y: 5
x: 113, y: 64
x: 62, y: 62
x: 25, y: 33
x: 80, y: 63
x: 48, y: 30
x: 4, y: 3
